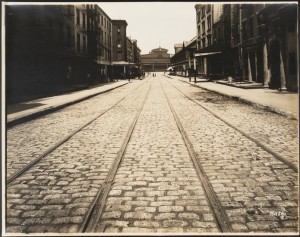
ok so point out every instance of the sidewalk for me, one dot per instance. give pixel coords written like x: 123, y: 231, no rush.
x: 285, y: 103
x: 28, y: 110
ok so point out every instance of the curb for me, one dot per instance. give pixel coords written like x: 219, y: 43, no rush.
x: 268, y: 108
x: 25, y: 118
x: 242, y: 87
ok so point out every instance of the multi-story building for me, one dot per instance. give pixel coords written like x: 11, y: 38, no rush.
x: 158, y: 60
x: 50, y: 47
x: 268, y: 44
x: 183, y: 59
x: 133, y: 57
x: 39, y: 49
x: 103, y: 44
x: 119, y: 47
x: 213, y: 40
x: 253, y: 42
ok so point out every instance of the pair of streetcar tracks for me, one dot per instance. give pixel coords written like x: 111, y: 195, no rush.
x: 256, y: 141
x: 27, y: 166
x: 211, y: 197
x: 91, y: 220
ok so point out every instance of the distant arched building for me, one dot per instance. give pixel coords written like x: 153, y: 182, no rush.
x: 158, y: 60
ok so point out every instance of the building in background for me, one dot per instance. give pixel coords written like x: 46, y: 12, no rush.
x: 119, y: 45
x: 183, y: 60
x: 158, y: 60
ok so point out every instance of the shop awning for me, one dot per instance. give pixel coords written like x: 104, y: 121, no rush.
x: 120, y: 63
x: 206, y: 54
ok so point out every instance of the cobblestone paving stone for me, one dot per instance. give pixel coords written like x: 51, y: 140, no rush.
x: 273, y: 130
x: 156, y: 188
x: 54, y: 196
x: 23, y: 146
x: 258, y: 192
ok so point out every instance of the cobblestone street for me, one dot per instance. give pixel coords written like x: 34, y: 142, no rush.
x: 156, y: 155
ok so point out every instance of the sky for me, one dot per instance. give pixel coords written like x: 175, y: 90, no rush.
x: 155, y: 24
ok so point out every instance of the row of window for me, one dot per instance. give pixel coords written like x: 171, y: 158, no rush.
x: 103, y: 21
x: 205, y: 42
x: 104, y: 37
x: 80, y: 49
x: 103, y: 53
x: 202, y: 30
x: 201, y: 13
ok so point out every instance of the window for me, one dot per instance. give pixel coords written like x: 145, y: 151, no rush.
x: 68, y: 39
x: 203, y: 11
x: 203, y: 43
x: 199, y: 33
x: 119, y: 56
x: 245, y: 34
x: 78, y: 43
x: 208, y: 8
x: 203, y: 27
x: 215, y: 35
x: 83, y: 20
x: 84, y: 44
x: 292, y: 63
x: 250, y: 31
x: 77, y: 17
x: 209, y: 22
x: 99, y: 50
x: 209, y: 40
x: 61, y: 32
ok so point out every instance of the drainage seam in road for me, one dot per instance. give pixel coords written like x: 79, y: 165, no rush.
x: 264, y: 147
x: 95, y: 212
x: 211, y: 196
x: 51, y: 149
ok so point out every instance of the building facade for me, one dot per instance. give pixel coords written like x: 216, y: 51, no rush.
x: 213, y: 40
x: 103, y: 45
x: 251, y: 42
x: 158, y: 60
x: 183, y: 61
x: 269, y: 44
x: 120, y: 63
x: 39, y: 48
x: 50, y: 47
